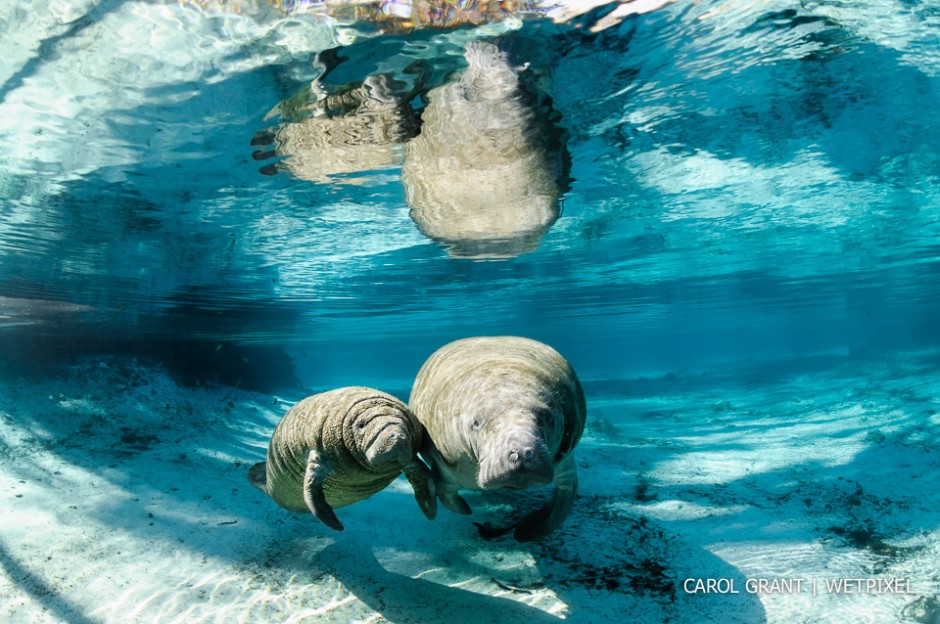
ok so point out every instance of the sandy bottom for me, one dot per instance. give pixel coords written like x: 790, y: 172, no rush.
x: 745, y: 495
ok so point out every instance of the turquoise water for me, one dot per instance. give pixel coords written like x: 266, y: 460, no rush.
x: 746, y: 181
x: 740, y: 258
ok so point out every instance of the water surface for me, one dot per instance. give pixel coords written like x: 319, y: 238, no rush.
x: 740, y: 259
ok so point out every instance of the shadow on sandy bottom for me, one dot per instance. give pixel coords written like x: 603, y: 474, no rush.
x: 40, y: 591
x: 402, y: 599
x: 600, y: 567
x: 604, y: 554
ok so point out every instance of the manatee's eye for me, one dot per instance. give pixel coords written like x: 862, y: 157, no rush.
x: 542, y: 418
x: 477, y: 423
x: 361, y: 424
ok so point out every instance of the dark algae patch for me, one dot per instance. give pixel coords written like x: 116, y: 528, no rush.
x: 138, y: 441
x: 648, y: 577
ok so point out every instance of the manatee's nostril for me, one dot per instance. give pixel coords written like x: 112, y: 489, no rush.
x: 524, y: 455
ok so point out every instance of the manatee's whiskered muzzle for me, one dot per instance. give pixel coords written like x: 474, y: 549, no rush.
x: 524, y: 465
x: 390, y: 448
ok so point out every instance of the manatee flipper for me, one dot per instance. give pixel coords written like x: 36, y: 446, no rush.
x: 445, y: 488
x: 314, y: 475
x: 447, y: 492
x: 419, y: 475
x: 550, y: 516
x: 542, y: 522
x: 488, y: 531
x: 258, y: 475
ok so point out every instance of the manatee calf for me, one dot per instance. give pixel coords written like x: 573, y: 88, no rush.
x: 501, y: 413
x: 338, y: 447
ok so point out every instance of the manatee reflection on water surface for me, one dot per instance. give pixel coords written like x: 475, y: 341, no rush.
x: 481, y: 152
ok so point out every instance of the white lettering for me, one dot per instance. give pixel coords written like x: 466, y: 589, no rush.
x: 773, y: 586
x: 835, y: 586
x: 709, y: 586
x: 868, y: 586
x: 796, y: 586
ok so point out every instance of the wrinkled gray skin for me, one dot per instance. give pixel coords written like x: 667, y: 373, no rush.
x: 339, y: 447
x: 501, y: 413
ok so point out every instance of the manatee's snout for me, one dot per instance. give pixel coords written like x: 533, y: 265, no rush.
x: 520, y: 463
x: 390, y: 448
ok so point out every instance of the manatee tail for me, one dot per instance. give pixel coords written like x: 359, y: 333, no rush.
x: 489, y: 70
x: 258, y: 475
